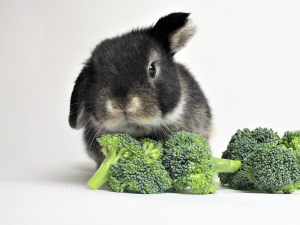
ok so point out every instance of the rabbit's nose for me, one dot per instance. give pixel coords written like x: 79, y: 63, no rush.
x: 133, y: 105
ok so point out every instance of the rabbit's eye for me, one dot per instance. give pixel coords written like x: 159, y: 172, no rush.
x: 152, y: 70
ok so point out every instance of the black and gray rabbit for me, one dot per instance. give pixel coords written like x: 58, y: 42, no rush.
x: 132, y: 84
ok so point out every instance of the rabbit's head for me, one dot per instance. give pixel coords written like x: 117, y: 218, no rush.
x: 132, y: 80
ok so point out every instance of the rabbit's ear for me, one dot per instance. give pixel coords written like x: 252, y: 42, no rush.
x: 173, y: 31
x: 77, y: 116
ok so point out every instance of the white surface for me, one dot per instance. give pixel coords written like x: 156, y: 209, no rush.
x: 57, y: 194
x: 246, y: 56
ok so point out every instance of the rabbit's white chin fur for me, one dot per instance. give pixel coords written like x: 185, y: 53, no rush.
x: 130, y: 127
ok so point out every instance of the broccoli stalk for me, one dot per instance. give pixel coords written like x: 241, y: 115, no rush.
x: 226, y: 165
x: 102, y: 174
x: 114, y: 147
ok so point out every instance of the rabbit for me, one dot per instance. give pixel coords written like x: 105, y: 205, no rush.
x: 132, y: 84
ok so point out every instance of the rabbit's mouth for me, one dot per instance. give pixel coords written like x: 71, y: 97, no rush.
x: 126, y: 122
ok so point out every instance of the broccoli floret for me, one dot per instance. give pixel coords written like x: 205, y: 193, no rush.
x: 154, y: 150
x: 273, y: 168
x: 265, y: 135
x: 131, y: 166
x: 139, y: 175
x: 190, y: 164
x: 181, y: 138
x: 243, y: 143
x: 114, y: 147
x: 291, y: 140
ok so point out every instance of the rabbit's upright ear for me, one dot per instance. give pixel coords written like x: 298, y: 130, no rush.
x: 173, y: 31
x: 77, y: 117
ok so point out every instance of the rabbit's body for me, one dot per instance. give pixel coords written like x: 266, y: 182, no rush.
x: 131, y: 84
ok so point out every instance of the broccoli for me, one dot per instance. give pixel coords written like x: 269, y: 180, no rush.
x: 131, y: 165
x: 190, y: 164
x: 115, y: 146
x: 138, y: 175
x: 269, y: 163
x: 254, y: 160
x: 141, y: 174
x: 154, y: 150
x: 291, y: 140
x: 272, y: 168
x: 243, y: 143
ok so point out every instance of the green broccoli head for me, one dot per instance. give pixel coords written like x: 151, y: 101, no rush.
x: 144, y: 174
x: 272, y: 168
x: 291, y: 140
x: 131, y: 166
x: 189, y: 162
x: 115, y: 146
x: 241, y: 144
x: 139, y: 175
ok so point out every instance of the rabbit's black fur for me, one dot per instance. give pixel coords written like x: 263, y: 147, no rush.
x: 131, y: 84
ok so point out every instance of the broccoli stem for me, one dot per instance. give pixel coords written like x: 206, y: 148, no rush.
x: 100, y: 177
x: 102, y: 174
x: 226, y: 165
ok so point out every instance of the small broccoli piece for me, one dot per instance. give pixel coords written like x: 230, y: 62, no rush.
x: 154, y: 150
x: 243, y: 143
x: 190, y: 164
x: 272, y: 168
x: 141, y: 174
x: 291, y: 140
x: 115, y: 146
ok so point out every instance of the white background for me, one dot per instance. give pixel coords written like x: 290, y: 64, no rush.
x: 245, y: 55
